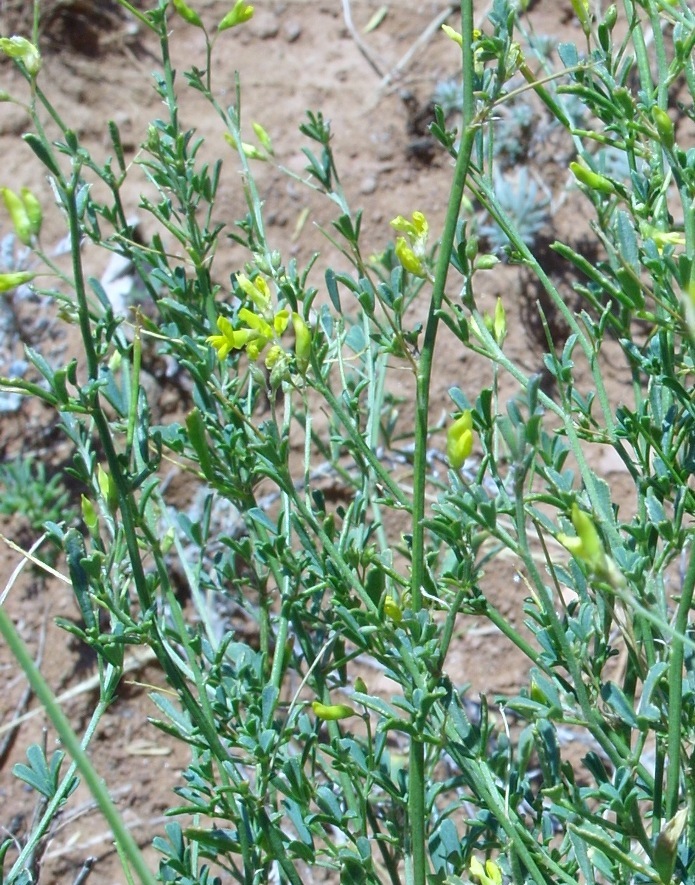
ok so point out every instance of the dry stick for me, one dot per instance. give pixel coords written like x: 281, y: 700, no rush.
x: 361, y: 45
x: 11, y: 727
x: 425, y: 37
x: 134, y: 662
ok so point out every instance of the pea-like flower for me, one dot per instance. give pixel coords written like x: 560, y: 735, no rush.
x: 411, y: 249
x: 23, y: 50
x: 459, y: 440
x: 490, y: 874
x: 260, y: 330
x: 587, y: 547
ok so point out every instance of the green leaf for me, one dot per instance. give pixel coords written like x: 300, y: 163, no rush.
x: 40, y: 774
x: 618, y: 702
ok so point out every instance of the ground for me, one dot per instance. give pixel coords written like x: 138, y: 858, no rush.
x: 375, y: 87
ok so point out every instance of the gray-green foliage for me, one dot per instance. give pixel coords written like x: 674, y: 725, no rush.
x: 295, y: 759
x: 27, y: 490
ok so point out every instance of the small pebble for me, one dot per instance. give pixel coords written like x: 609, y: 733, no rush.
x: 368, y: 184
x: 264, y: 25
x: 291, y: 30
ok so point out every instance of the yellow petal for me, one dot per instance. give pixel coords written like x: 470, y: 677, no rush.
x: 408, y: 258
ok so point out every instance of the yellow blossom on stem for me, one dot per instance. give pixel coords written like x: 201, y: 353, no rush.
x: 409, y: 259
x: 588, y: 548
x: 411, y: 249
x: 661, y: 237
x: 393, y: 610
x: 459, y: 440
x: 260, y: 331
x: 21, y: 49
x: 241, y: 12
x: 587, y: 545
x: 490, y: 874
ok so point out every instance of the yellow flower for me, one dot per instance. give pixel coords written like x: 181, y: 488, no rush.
x: 412, y: 248
x: 20, y: 48
x: 393, y: 610
x: 9, y: 281
x: 490, y: 874
x: 456, y: 37
x: 229, y: 339
x: 661, y: 237
x: 587, y: 546
x: 241, y: 12
x: 416, y: 229
x: 262, y: 327
x: 409, y: 259
x: 459, y: 440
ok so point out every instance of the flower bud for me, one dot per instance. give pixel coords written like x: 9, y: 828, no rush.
x: 108, y: 489
x: 33, y: 210
x: 263, y: 137
x: 18, y: 213
x: 187, y: 14
x: 89, y: 515
x: 666, y: 848
x: 241, y: 12
x: 302, y: 342
x: 664, y: 126
x: 486, y: 261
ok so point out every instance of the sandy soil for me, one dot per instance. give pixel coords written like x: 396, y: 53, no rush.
x: 292, y: 56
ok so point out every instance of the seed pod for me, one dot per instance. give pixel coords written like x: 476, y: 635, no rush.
x: 9, y: 281
x: 664, y: 126
x: 331, y: 712
x: 592, y: 180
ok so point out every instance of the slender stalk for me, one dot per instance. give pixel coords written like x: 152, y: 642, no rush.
x: 74, y: 747
x: 416, y: 848
x: 675, y: 690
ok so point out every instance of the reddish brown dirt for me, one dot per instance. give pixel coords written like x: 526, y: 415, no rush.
x: 292, y: 56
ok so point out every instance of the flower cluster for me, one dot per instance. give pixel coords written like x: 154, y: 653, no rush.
x: 411, y: 249
x: 261, y: 330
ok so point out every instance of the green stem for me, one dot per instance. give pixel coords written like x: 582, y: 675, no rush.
x: 73, y: 746
x: 675, y: 690
x: 417, y: 853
